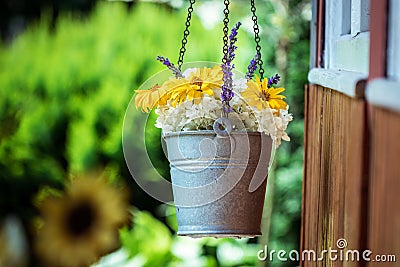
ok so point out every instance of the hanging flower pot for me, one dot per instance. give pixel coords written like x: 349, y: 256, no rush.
x: 218, y: 182
x: 220, y: 129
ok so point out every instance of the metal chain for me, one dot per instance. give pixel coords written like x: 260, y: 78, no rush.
x: 185, y: 34
x: 225, y: 30
x: 257, y: 38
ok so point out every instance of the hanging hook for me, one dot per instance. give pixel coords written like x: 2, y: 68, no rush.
x: 222, y: 127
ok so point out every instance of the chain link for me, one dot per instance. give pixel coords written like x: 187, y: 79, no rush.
x: 225, y: 30
x: 257, y: 39
x: 256, y: 29
x: 185, y: 34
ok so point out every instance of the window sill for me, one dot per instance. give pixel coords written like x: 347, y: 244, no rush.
x: 347, y: 82
x: 384, y: 93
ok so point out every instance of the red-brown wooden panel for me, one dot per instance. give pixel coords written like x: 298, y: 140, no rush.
x: 384, y: 215
x: 334, y: 199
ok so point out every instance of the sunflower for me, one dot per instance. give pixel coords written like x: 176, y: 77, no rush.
x: 148, y: 99
x: 82, y: 225
x: 195, y: 86
x: 259, y: 95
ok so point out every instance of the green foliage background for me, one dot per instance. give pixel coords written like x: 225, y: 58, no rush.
x: 63, y: 95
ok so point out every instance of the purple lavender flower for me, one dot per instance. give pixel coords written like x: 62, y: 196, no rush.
x: 273, y: 80
x: 252, y: 67
x: 176, y: 71
x: 227, y: 93
x: 232, y: 40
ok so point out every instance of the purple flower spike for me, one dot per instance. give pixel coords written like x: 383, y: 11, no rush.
x: 252, y: 67
x: 232, y: 40
x: 273, y: 80
x: 227, y: 93
x: 228, y: 109
x: 177, y: 72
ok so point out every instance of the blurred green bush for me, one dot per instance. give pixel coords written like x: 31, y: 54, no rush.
x: 63, y: 93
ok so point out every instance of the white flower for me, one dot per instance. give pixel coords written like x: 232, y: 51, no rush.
x: 239, y: 85
x: 189, y: 116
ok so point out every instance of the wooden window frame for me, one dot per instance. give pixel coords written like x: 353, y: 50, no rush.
x: 341, y: 49
x: 383, y: 89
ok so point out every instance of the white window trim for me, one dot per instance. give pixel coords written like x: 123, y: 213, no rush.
x: 393, y: 53
x: 346, y: 39
x: 346, y: 53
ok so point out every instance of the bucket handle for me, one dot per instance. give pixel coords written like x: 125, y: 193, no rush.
x: 222, y: 127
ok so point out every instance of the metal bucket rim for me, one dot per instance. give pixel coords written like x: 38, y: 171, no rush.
x: 210, y: 132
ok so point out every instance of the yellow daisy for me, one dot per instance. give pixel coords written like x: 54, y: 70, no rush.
x: 148, y: 99
x: 210, y: 77
x: 260, y: 96
x: 177, y: 90
x: 193, y: 88
x: 82, y: 225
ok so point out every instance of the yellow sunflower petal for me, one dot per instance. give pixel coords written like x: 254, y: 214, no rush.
x: 276, y: 91
x: 277, y: 104
x: 208, y: 91
x: 264, y: 84
x: 258, y: 81
x: 148, y: 99
x: 142, y: 100
x: 191, y: 95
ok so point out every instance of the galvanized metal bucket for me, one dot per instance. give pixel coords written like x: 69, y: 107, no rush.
x: 219, y: 182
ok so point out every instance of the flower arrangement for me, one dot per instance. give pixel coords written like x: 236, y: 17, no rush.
x: 195, y: 98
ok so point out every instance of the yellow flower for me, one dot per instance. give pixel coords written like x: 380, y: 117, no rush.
x: 210, y: 77
x: 82, y: 225
x: 202, y: 81
x: 260, y: 96
x: 148, y: 99
x: 177, y: 90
